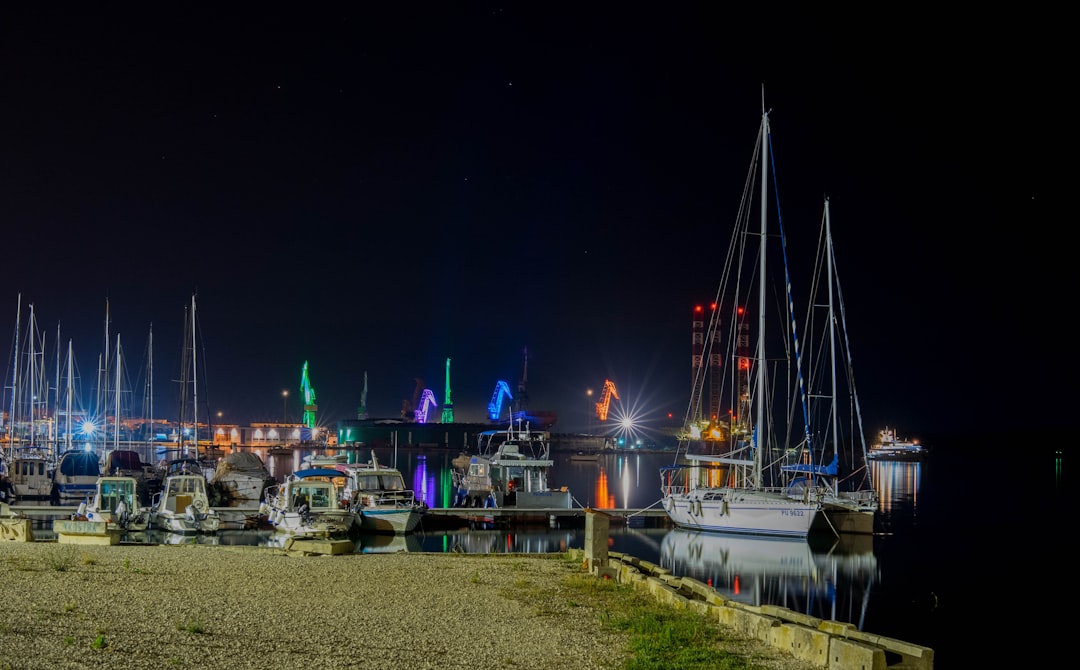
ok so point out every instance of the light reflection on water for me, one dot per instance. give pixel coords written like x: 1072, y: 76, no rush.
x: 838, y: 581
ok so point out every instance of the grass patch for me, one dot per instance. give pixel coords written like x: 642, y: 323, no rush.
x: 658, y: 636
x: 191, y: 626
x: 61, y: 560
x: 70, y: 606
x: 69, y: 640
x: 99, y: 642
x: 89, y: 559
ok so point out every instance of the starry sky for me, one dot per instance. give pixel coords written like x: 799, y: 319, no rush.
x: 375, y: 190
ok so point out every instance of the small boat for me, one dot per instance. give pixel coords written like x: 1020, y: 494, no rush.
x: 510, y: 470
x: 240, y: 480
x: 585, y: 457
x: 307, y: 505
x: 183, y: 506
x: 377, y: 494
x: 891, y: 448
x: 75, y: 476
x: 128, y: 463
x: 30, y: 474
x: 116, y: 503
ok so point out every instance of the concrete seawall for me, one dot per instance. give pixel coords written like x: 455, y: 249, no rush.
x: 826, y: 644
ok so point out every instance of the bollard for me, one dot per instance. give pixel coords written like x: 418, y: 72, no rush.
x: 596, y: 539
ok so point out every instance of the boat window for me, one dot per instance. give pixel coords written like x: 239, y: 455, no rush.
x: 392, y: 484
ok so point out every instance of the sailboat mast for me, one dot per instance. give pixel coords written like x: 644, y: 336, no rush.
x: 832, y: 333
x: 116, y: 430
x: 56, y: 414
x: 759, y: 424
x: 150, y: 379
x: 33, y: 375
x: 194, y: 380
x: 14, y: 383
x: 70, y: 385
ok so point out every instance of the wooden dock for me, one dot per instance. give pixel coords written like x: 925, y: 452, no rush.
x: 554, y: 517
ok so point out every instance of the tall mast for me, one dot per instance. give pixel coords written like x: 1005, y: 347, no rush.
x: 14, y: 382
x: 33, y: 375
x: 116, y: 430
x: 759, y: 423
x: 56, y: 414
x: 67, y: 426
x: 194, y: 379
x: 149, y: 405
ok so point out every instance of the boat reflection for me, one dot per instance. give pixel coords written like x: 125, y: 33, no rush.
x: 829, y: 580
x: 897, y: 484
x: 500, y: 541
x: 385, y: 543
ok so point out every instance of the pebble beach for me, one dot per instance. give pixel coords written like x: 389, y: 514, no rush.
x: 198, y: 606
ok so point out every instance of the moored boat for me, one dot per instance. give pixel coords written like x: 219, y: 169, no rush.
x: 378, y: 495
x: 510, y: 470
x: 116, y: 503
x: 75, y: 476
x: 308, y: 505
x: 183, y: 506
x: 889, y: 447
x: 240, y: 480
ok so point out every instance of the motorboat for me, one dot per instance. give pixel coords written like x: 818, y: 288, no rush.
x: 308, y: 505
x: 183, y: 506
x: 75, y: 476
x: 378, y: 495
x: 889, y: 447
x: 510, y: 470
x: 240, y: 480
x: 116, y: 503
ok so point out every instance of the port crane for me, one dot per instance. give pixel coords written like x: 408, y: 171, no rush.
x: 448, y: 406
x: 427, y: 401
x: 308, y: 393
x: 606, y: 395
x: 502, y: 390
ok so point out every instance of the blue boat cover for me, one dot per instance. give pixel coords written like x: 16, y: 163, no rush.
x: 830, y: 469
x: 319, y: 472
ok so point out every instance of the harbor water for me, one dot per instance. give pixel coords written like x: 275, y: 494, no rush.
x: 953, y: 548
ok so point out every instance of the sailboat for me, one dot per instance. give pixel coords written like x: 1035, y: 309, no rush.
x: 734, y: 484
x: 28, y: 467
x: 839, y: 476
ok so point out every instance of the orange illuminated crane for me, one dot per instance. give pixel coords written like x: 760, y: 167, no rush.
x: 606, y: 395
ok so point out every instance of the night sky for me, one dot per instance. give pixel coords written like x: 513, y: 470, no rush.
x: 375, y: 189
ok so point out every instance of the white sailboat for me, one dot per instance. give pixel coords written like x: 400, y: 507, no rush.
x: 734, y: 485
x: 28, y: 462
x: 832, y: 461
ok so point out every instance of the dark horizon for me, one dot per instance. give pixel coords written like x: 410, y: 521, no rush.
x: 379, y: 189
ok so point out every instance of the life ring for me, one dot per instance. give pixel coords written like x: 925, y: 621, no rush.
x: 200, y: 505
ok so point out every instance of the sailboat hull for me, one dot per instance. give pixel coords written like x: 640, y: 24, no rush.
x: 731, y: 510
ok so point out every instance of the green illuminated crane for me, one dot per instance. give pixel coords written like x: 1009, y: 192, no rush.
x: 448, y: 406
x: 308, y: 394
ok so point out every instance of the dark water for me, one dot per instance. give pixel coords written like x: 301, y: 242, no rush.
x: 968, y: 556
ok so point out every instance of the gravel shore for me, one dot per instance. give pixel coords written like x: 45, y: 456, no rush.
x: 197, y: 606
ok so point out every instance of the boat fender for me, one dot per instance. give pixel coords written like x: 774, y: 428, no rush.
x: 668, y: 505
